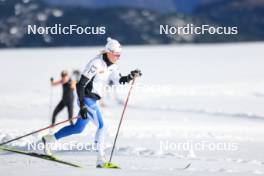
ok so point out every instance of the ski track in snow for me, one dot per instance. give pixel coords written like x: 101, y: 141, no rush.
x: 199, y: 111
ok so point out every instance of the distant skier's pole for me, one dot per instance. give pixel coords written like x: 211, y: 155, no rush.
x: 51, y: 100
x: 37, y: 131
x: 119, y: 125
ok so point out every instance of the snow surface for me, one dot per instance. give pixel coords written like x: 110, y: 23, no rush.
x: 212, y: 93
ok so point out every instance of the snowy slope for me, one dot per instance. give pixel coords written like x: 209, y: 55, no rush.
x: 187, y: 93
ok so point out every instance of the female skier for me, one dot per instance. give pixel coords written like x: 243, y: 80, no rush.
x: 89, y: 91
x: 68, y: 86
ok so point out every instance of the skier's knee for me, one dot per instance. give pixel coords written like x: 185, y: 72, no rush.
x: 101, y: 126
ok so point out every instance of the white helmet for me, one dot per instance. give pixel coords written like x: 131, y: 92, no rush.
x: 112, y: 45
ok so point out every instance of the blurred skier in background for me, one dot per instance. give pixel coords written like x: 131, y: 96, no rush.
x: 68, y: 87
x: 76, y: 75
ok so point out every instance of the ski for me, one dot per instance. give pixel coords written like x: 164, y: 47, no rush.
x: 185, y: 167
x: 41, y: 156
x: 109, y: 166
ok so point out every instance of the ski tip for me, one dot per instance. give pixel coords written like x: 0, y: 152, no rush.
x: 78, y: 166
x: 109, y: 166
x: 186, y: 167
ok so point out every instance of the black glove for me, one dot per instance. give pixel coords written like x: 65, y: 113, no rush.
x: 83, y: 112
x: 129, y: 77
x: 135, y: 73
x: 51, y: 79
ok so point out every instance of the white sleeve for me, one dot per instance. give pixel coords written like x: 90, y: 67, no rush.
x: 91, y: 69
x: 115, y: 76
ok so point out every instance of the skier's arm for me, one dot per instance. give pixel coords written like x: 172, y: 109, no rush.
x: 73, y: 85
x: 129, y: 77
x: 117, y: 78
x: 124, y: 79
x: 81, y: 89
x: 54, y: 83
x: 81, y: 94
x: 88, y: 73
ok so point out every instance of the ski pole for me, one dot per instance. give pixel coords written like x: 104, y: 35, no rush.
x: 50, y: 101
x: 37, y: 131
x: 120, y: 122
